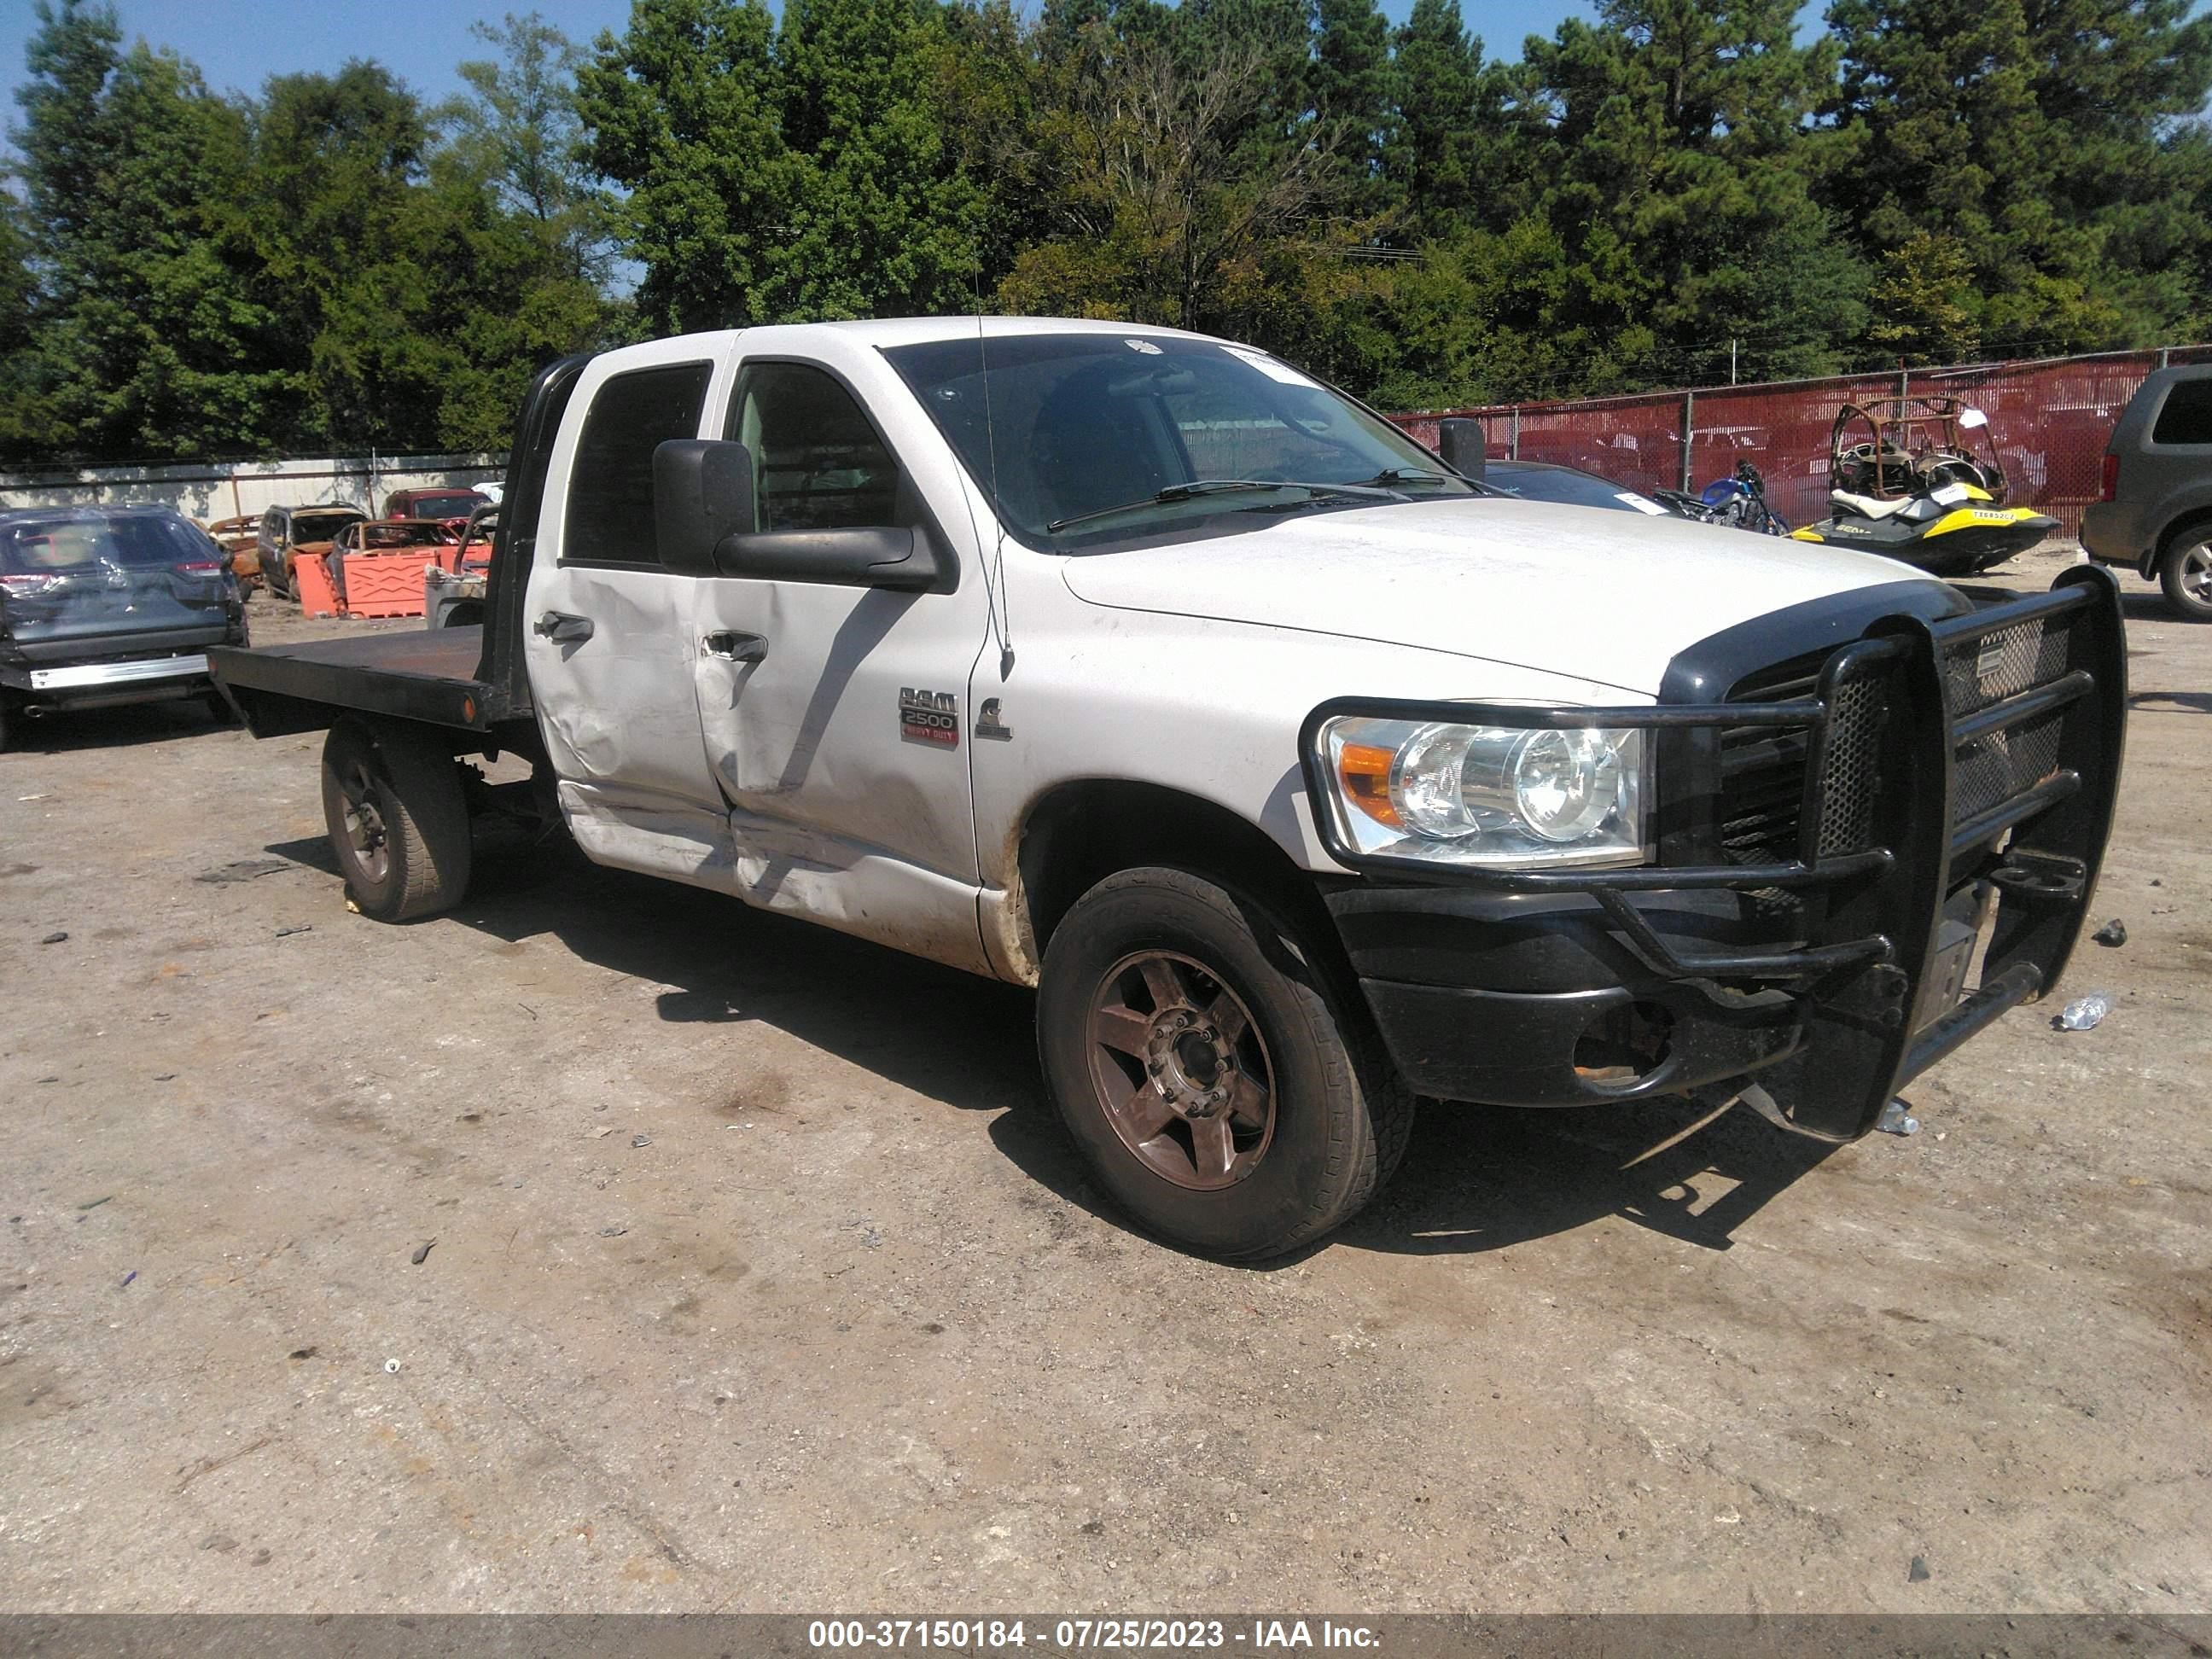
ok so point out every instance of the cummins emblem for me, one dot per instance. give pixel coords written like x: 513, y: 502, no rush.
x: 989, y: 725
x: 930, y: 717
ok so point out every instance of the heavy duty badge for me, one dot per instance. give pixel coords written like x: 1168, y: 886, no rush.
x: 930, y: 717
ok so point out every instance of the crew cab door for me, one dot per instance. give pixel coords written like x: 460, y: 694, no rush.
x: 836, y: 716
x: 607, y: 627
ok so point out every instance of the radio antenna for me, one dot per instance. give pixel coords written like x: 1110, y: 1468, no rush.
x: 1000, y: 611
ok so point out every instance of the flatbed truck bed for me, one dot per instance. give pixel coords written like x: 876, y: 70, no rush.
x: 426, y: 675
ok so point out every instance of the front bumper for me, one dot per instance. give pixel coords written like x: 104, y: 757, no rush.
x: 1958, y: 775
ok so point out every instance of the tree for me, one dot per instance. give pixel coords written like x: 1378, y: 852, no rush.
x: 1677, y: 154
x: 519, y: 133
x: 522, y: 223
x: 1920, y: 303
x: 1431, y: 157
x: 886, y: 220
x: 683, y: 114
x: 2045, y: 139
x: 1168, y: 203
x: 1349, y: 87
x: 140, y: 332
x: 19, y: 423
x: 338, y: 161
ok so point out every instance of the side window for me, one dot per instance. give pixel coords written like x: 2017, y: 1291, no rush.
x: 2185, y: 417
x: 817, y: 463
x: 609, y: 517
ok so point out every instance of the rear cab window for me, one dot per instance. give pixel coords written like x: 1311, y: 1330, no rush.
x: 609, y: 516
x: 2185, y: 417
x: 151, y: 541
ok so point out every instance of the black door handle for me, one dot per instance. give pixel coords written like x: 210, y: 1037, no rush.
x: 735, y: 647
x: 563, y: 629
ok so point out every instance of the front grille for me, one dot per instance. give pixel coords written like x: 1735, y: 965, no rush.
x: 1762, y: 768
x: 1851, y: 777
x: 1991, y: 770
x: 1762, y: 791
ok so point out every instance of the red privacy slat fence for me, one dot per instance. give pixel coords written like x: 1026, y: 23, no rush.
x: 2048, y: 420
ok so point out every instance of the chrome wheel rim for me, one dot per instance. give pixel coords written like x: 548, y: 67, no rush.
x: 1179, y: 1069
x: 2195, y: 574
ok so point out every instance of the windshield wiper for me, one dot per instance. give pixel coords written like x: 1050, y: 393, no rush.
x: 1398, y: 475
x: 1197, y: 487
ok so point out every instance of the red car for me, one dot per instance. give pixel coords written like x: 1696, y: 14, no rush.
x: 447, y: 505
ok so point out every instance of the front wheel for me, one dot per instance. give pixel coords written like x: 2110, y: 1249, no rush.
x: 398, y: 819
x: 1205, y: 1072
x: 2185, y: 573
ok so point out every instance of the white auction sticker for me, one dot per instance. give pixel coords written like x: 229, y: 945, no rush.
x: 1268, y: 366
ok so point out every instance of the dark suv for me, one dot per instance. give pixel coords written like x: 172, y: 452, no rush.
x: 2156, y: 516
x: 107, y: 604
x: 288, y: 532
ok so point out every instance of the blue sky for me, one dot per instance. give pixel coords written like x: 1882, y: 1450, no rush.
x: 240, y: 43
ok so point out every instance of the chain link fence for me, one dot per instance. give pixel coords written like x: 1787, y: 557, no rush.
x: 2048, y: 423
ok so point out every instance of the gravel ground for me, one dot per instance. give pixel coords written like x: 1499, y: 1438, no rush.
x: 759, y: 1276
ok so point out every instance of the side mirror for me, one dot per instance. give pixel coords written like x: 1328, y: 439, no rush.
x: 1461, y: 441
x: 902, y: 561
x: 703, y: 516
x: 702, y: 493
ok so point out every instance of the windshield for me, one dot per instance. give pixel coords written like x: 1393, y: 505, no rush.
x: 320, y: 526
x: 1078, y: 427
x: 1536, y: 483
x: 405, y: 533
x: 444, y: 506
x: 38, y: 546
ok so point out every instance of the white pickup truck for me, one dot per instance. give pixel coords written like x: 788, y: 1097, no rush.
x: 1300, y: 774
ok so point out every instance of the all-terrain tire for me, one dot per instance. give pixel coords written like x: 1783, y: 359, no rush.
x: 1338, y: 1115
x: 398, y: 819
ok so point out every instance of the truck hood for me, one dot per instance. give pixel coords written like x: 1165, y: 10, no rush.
x: 1601, y: 596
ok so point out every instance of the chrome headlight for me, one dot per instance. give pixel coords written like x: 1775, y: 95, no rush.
x: 1498, y: 796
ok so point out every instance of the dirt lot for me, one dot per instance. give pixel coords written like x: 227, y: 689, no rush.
x: 763, y: 1277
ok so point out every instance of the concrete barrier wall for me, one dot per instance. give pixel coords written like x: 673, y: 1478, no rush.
x: 224, y: 490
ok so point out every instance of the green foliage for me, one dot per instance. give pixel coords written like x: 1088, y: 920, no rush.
x: 1922, y: 303
x: 2044, y: 140
x: 887, y: 220
x: 314, y: 268
x: 1644, y: 198
x: 684, y: 115
x: 134, y: 335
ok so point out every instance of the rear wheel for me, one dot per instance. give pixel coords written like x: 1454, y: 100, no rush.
x: 1205, y: 1070
x: 2185, y: 573
x: 398, y: 822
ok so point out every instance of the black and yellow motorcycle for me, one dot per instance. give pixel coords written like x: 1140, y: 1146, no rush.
x: 1906, y: 481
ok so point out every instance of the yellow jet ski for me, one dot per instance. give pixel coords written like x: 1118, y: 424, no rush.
x: 1905, y: 482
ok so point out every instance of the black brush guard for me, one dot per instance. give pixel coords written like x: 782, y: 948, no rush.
x: 1959, y: 786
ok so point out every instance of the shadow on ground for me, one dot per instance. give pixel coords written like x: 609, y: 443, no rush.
x: 1475, y: 1179
x: 2172, y: 702
x: 68, y: 730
